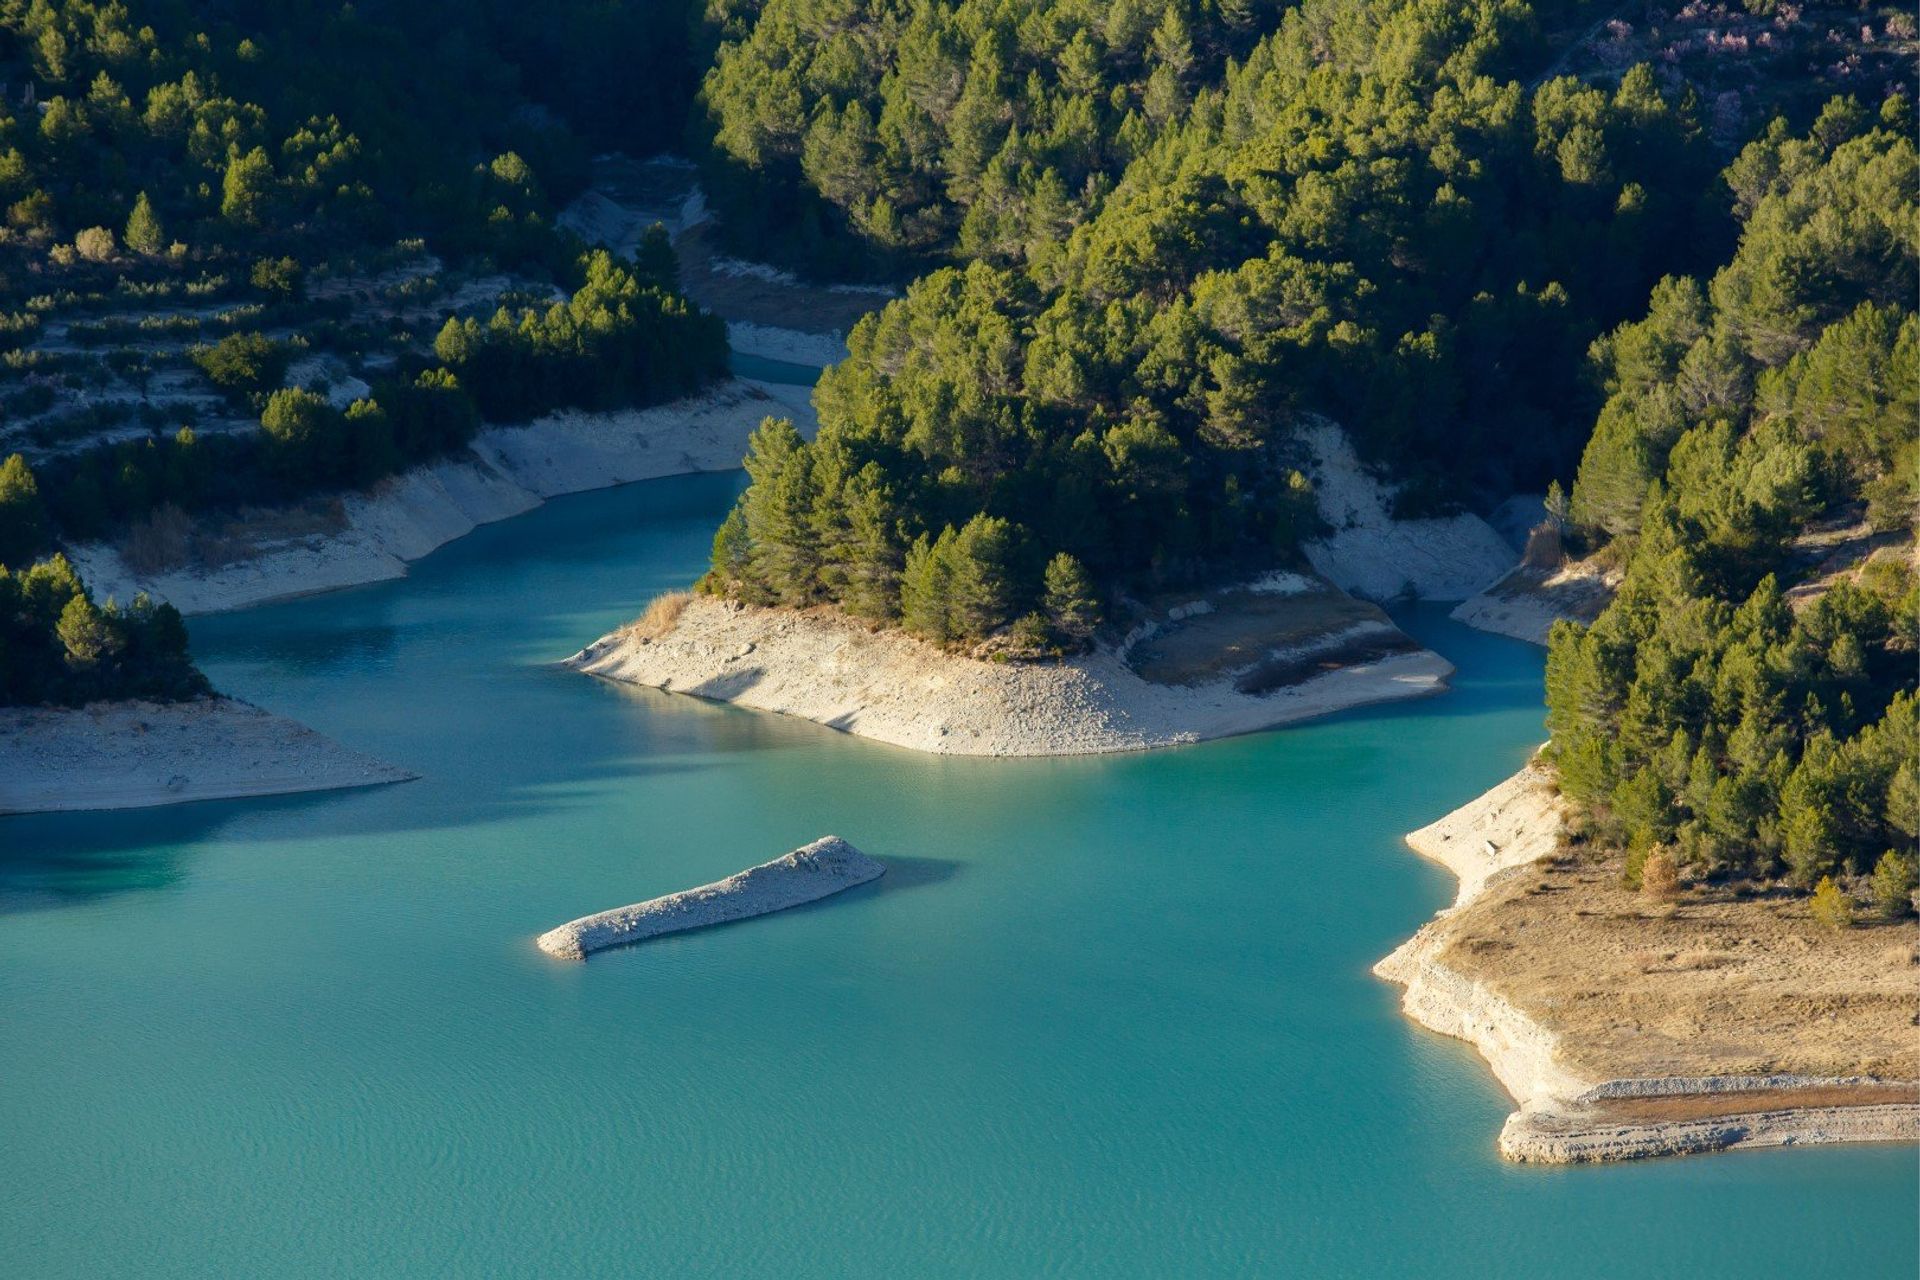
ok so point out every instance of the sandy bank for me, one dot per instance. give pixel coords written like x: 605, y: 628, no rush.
x: 809, y: 873
x: 823, y: 667
x: 128, y: 755
x: 1625, y: 1029
x: 1527, y: 602
x: 370, y: 537
x: 1378, y: 557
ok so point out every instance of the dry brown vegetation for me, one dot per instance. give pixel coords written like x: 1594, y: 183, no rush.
x: 658, y: 618
x: 1715, y: 983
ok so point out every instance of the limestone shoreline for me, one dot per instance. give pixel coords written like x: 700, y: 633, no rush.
x: 128, y: 755
x: 817, y: 870
x: 505, y: 472
x: 822, y: 666
x: 1569, y: 1113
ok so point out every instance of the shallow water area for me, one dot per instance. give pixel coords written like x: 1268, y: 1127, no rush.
x: 1103, y: 1016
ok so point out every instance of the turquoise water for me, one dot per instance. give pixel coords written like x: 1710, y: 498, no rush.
x: 748, y: 366
x: 1106, y: 1017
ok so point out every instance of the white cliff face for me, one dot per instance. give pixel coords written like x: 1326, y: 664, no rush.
x: 1521, y: 1052
x: 1374, y: 556
x: 506, y: 471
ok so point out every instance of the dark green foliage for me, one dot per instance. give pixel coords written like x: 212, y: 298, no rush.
x: 619, y: 340
x: 1700, y: 710
x: 305, y: 446
x: 58, y: 646
x: 305, y: 128
x: 1072, y: 603
x: 1357, y: 217
x: 890, y: 133
x: 23, y: 516
x: 244, y: 365
x: 281, y: 279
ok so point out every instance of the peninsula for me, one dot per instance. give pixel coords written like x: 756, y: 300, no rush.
x: 1625, y: 1027
x: 136, y: 753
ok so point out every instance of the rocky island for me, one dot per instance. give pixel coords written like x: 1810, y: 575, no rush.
x: 811, y: 872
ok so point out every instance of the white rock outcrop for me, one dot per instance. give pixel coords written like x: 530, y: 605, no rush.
x: 1374, y: 556
x: 1527, y: 602
x: 809, y: 873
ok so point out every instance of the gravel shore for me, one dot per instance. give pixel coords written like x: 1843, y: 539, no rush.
x: 128, y: 755
x: 885, y: 685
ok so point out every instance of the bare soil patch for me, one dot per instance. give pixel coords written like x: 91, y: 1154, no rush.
x: 1254, y: 635
x: 1715, y: 984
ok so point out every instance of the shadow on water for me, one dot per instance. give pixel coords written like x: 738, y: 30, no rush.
x: 365, y: 646
x: 64, y: 859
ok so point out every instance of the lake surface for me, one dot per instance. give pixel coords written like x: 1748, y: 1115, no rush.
x: 1105, y: 1017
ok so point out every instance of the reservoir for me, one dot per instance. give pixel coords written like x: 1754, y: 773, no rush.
x: 1103, y: 1016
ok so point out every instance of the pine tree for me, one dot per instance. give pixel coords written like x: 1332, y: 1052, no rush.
x: 733, y: 555
x: 143, y: 233
x: 779, y: 507
x: 244, y: 190
x: 1072, y: 604
x: 23, y: 520
x: 925, y: 605
x: 982, y: 581
x: 1895, y: 877
x: 83, y: 632
x: 870, y: 554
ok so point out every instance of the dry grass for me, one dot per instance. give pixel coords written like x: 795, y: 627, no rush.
x: 1713, y: 984
x: 1544, y: 548
x: 661, y: 614
x: 163, y: 541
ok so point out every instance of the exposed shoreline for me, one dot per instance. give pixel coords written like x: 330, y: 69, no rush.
x: 128, y: 755
x: 507, y: 471
x: 1527, y: 602
x: 1569, y: 1113
x: 887, y: 686
x: 813, y: 871
x: 1368, y: 552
